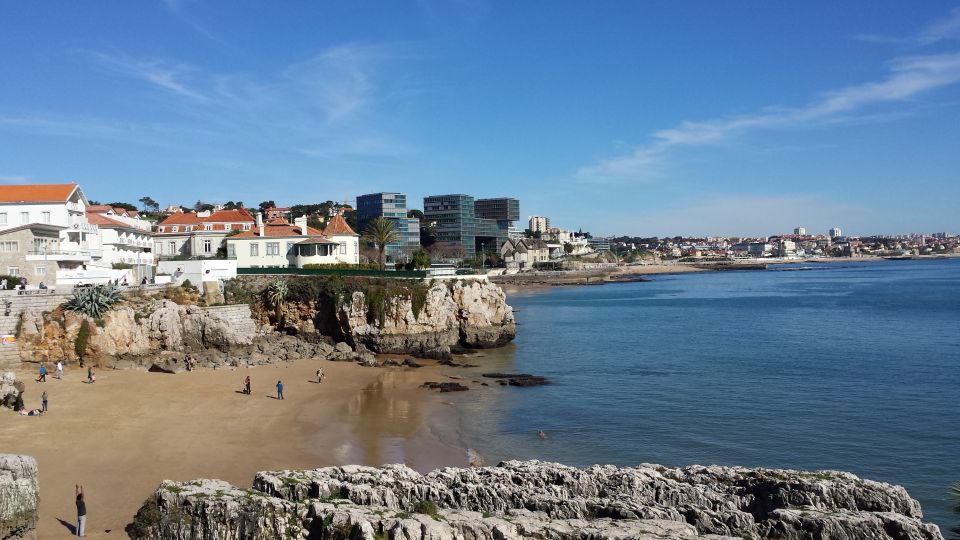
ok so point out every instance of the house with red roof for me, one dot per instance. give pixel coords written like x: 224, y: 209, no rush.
x: 279, y: 244
x: 198, y: 234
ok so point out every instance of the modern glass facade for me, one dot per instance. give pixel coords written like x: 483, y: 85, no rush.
x: 474, y: 225
x: 392, y: 206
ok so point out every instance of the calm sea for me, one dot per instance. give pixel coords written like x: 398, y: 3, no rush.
x: 833, y: 366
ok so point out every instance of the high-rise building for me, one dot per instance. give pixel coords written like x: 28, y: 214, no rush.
x: 800, y: 231
x: 472, y: 225
x: 538, y: 223
x: 835, y: 232
x: 392, y: 206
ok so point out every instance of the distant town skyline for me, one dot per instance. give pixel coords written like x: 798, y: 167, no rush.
x: 624, y: 119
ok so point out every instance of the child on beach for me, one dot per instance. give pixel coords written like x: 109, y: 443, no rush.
x: 42, y: 377
x: 43, y: 401
x: 320, y: 375
x: 279, y: 389
x: 246, y: 385
x: 91, y: 378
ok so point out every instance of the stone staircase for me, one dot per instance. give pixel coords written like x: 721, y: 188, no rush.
x: 12, y: 305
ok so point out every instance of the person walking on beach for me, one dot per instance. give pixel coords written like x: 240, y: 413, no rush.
x: 43, y: 400
x: 90, y: 376
x: 42, y: 377
x: 320, y: 375
x: 246, y: 385
x: 59, y: 369
x: 81, y: 511
x: 279, y: 389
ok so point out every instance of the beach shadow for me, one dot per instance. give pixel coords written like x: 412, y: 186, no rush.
x: 68, y: 525
x: 240, y: 392
x: 272, y: 397
x: 312, y: 381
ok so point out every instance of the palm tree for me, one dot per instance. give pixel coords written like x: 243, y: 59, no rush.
x: 380, y: 232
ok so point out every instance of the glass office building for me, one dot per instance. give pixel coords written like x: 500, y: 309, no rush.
x: 473, y: 225
x: 392, y: 206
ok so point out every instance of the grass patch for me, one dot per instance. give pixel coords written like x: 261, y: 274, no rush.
x: 428, y: 508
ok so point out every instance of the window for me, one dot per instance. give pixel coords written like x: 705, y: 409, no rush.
x: 254, y: 249
x: 273, y: 248
x: 231, y: 250
x: 291, y: 248
x: 175, y: 228
x: 3, y: 218
x: 343, y: 248
x: 10, y: 247
x: 40, y: 270
x: 246, y: 226
x: 45, y: 217
x: 207, y: 246
x: 173, y: 248
x: 13, y: 270
x: 207, y: 227
x: 24, y: 218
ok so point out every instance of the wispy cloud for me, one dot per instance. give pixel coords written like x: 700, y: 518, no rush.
x: 178, y: 9
x: 168, y: 76
x: 13, y: 179
x: 944, y: 29
x: 907, y: 77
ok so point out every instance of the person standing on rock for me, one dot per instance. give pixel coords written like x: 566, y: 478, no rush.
x: 59, y: 369
x: 81, y: 511
x: 279, y: 389
x: 43, y: 400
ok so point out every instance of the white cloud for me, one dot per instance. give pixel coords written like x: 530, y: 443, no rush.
x: 170, y: 77
x: 944, y: 29
x: 13, y: 179
x: 908, y: 77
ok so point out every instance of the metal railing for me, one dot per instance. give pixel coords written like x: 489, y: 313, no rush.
x: 357, y: 272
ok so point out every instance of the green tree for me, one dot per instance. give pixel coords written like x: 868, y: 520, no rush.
x: 149, y: 205
x: 380, y: 233
x: 277, y: 294
x: 125, y: 206
x: 567, y: 248
x: 414, y: 213
x: 267, y: 204
x: 80, y: 342
x: 420, y: 259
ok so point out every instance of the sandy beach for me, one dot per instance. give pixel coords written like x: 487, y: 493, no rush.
x: 131, y: 429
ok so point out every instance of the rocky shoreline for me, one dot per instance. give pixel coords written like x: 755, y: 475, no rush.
x: 531, y: 499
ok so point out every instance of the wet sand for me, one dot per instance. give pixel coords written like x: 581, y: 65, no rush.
x: 131, y: 429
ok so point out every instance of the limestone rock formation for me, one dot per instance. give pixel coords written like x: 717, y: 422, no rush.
x: 19, y: 496
x: 536, y: 500
x: 10, y: 388
x: 464, y: 314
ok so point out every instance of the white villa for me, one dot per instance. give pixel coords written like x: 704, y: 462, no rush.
x: 198, y: 234
x: 278, y: 244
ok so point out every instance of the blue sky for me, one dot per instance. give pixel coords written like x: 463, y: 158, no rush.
x: 645, y: 118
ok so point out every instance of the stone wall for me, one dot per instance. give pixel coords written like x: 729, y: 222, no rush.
x: 12, y: 306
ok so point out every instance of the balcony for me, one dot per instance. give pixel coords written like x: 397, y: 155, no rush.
x: 61, y: 255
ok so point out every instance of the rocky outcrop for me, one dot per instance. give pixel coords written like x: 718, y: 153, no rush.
x: 460, y: 315
x: 535, y: 500
x: 10, y: 388
x: 19, y: 496
x: 158, y: 326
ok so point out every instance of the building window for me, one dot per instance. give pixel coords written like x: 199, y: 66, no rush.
x: 254, y: 249
x: 24, y: 218
x: 175, y: 228
x: 173, y: 248
x: 207, y: 227
x: 273, y: 249
x: 13, y: 270
x: 10, y: 247
x: 231, y: 250
x: 40, y: 270
x: 246, y: 226
x: 207, y: 246
x: 45, y: 217
x: 343, y: 248
x: 3, y: 218
x: 291, y: 248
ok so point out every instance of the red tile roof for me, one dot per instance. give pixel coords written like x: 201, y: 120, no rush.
x: 36, y: 192
x: 338, y: 226
x: 220, y: 216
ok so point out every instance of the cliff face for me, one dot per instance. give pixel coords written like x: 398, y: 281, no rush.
x: 19, y: 496
x: 159, y: 326
x: 535, y: 500
x: 462, y: 315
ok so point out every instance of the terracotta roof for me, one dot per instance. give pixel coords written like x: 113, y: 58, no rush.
x: 220, y: 216
x: 277, y: 221
x: 274, y: 231
x: 104, y: 221
x: 36, y: 192
x: 278, y: 209
x: 338, y: 226
x: 99, y: 208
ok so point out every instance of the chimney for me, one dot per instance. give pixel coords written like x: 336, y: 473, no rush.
x: 260, y: 230
x: 302, y: 223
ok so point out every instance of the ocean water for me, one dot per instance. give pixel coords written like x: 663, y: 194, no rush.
x: 849, y: 366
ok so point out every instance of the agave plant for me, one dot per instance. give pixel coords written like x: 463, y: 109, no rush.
x: 93, y: 301
x: 277, y: 297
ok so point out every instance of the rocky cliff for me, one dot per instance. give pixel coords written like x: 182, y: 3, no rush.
x: 19, y: 496
x: 535, y: 500
x: 401, y: 316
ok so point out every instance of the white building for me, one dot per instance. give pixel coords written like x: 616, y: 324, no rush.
x: 198, y: 271
x: 124, y: 246
x: 835, y: 232
x: 278, y: 244
x: 538, y: 223
x: 198, y: 234
x: 800, y: 231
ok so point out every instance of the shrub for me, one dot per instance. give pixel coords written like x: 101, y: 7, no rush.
x: 187, y: 285
x: 121, y: 266
x: 145, y: 521
x: 81, y: 341
x: 428, y: 508
x: 12, y: 281
x: 93, y: 301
